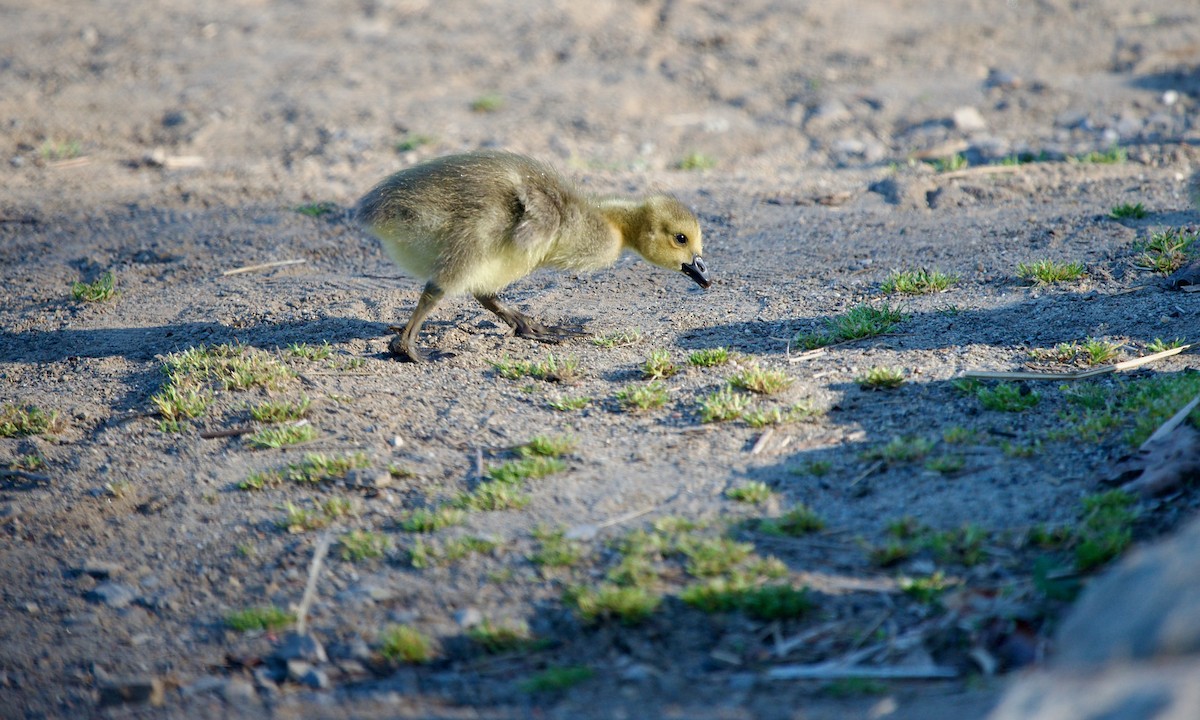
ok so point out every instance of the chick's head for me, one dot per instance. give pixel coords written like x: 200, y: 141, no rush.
x: 671, y: 238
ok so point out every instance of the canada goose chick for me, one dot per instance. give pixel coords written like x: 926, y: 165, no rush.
x: 476, y: 222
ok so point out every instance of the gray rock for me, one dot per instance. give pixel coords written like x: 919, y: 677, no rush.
x: 368, y: 478
x: 208, y: 683
x: 122, y: 691
x: 100, y: 569
x: 301, y: 647
x: 1129, y: 649
x: 468, y: 618
x: 968, y: 119
x: 1147, y: 607
x: 297, y: 669
x: 238, y: 692
x: 315, y: 678
x: 112, y: 594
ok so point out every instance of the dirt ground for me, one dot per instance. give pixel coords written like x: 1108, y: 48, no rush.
x: 170, y: 142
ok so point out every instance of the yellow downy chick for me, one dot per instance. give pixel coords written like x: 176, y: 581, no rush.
x: 476, y: 222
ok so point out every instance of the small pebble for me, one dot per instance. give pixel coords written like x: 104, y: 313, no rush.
x: 111, y: 594
x: 100, y: 569
x: 131, y: 690
x: 468, y: 618
x: 301, y: 647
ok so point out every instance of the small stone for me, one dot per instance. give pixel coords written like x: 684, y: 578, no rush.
x: 208, y: 683
x: 367, y: 478
x: 297, y: 669
x: 123, y: 691
x: 301, y: 647
x: 584, y: 532
x: 968, y: 119
x: 315, y: 678
x: 1170, y: 97
x: 100, y: 569
x: 114, y: 595
x: 32, y: 608
x: 468, y: 618
x: 237, y: 692
x: 1002, y: 79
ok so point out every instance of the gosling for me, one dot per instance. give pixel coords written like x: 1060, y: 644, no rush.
x: 476, y: 222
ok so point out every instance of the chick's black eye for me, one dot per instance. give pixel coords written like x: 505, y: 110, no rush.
x: 681, y: 238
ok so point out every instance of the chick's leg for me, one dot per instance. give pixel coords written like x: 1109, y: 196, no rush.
x: 527, y: 327
x: 405, y: 343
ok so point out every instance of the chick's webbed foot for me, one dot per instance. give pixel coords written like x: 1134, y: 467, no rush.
x: 528, y: 327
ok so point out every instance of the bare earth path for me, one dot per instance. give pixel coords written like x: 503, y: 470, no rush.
x: 169, y: 144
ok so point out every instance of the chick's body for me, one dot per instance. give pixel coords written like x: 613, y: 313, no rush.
x: 476, y: 222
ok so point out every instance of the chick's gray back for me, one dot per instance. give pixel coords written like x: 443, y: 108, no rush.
x: 484, y: 198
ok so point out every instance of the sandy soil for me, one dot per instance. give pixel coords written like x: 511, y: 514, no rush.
x: 170, y: 142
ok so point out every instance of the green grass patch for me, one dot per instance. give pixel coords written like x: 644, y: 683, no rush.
x: 659, y: 366
x: 317, y: 209
x: 1106, y: 529
x: 763, y: 602
x: 918, y: 282
x: 696, y: 161
x: 103, y: 288
x: 550, y: 369
x: 1167, y: 251
x: 569, y: 403
x: 1002, y: 397
x: 25, y: 420
x: 640, y: 398
x: 628, y: 604
x: 316, y: 467
x: 861, y: 321
x: 949, y: 163
x: 359, y: 545
x: 780, y: 416
x: 412, y: 141
x: 555, y: 550
x: 492, y: 496
x: 1048, y: 272
x: 259, y: 618
x: 556, y: 679
x: 430, y: 521
x: 763, y: 382
x: 881, y: 378
x: 1128, y: 211
x: 1114, y: 155
x: 54, y: 150
x: 282, y: 436
x: 621, y: 338
x: 497, y: 638
x: 799, y: 521
x: 308, y: 351
x: 722, y: 406
x: 752, y: 493
x: 405, y: 644
x: 279, y: 411
x: 489, y: 103
x: 901, y: 450
x: 427, y: 554
x: 709, y: 357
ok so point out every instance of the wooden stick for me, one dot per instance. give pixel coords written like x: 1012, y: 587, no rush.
x: 24, y: 475
x: 1169, y: 426
x: 263, y: 266
x: 227, y: 432
x: 981, y: 170
x: 762, y: 441
x: 1078, y: 375
x: 824, y: 671
x: 310, y: 588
